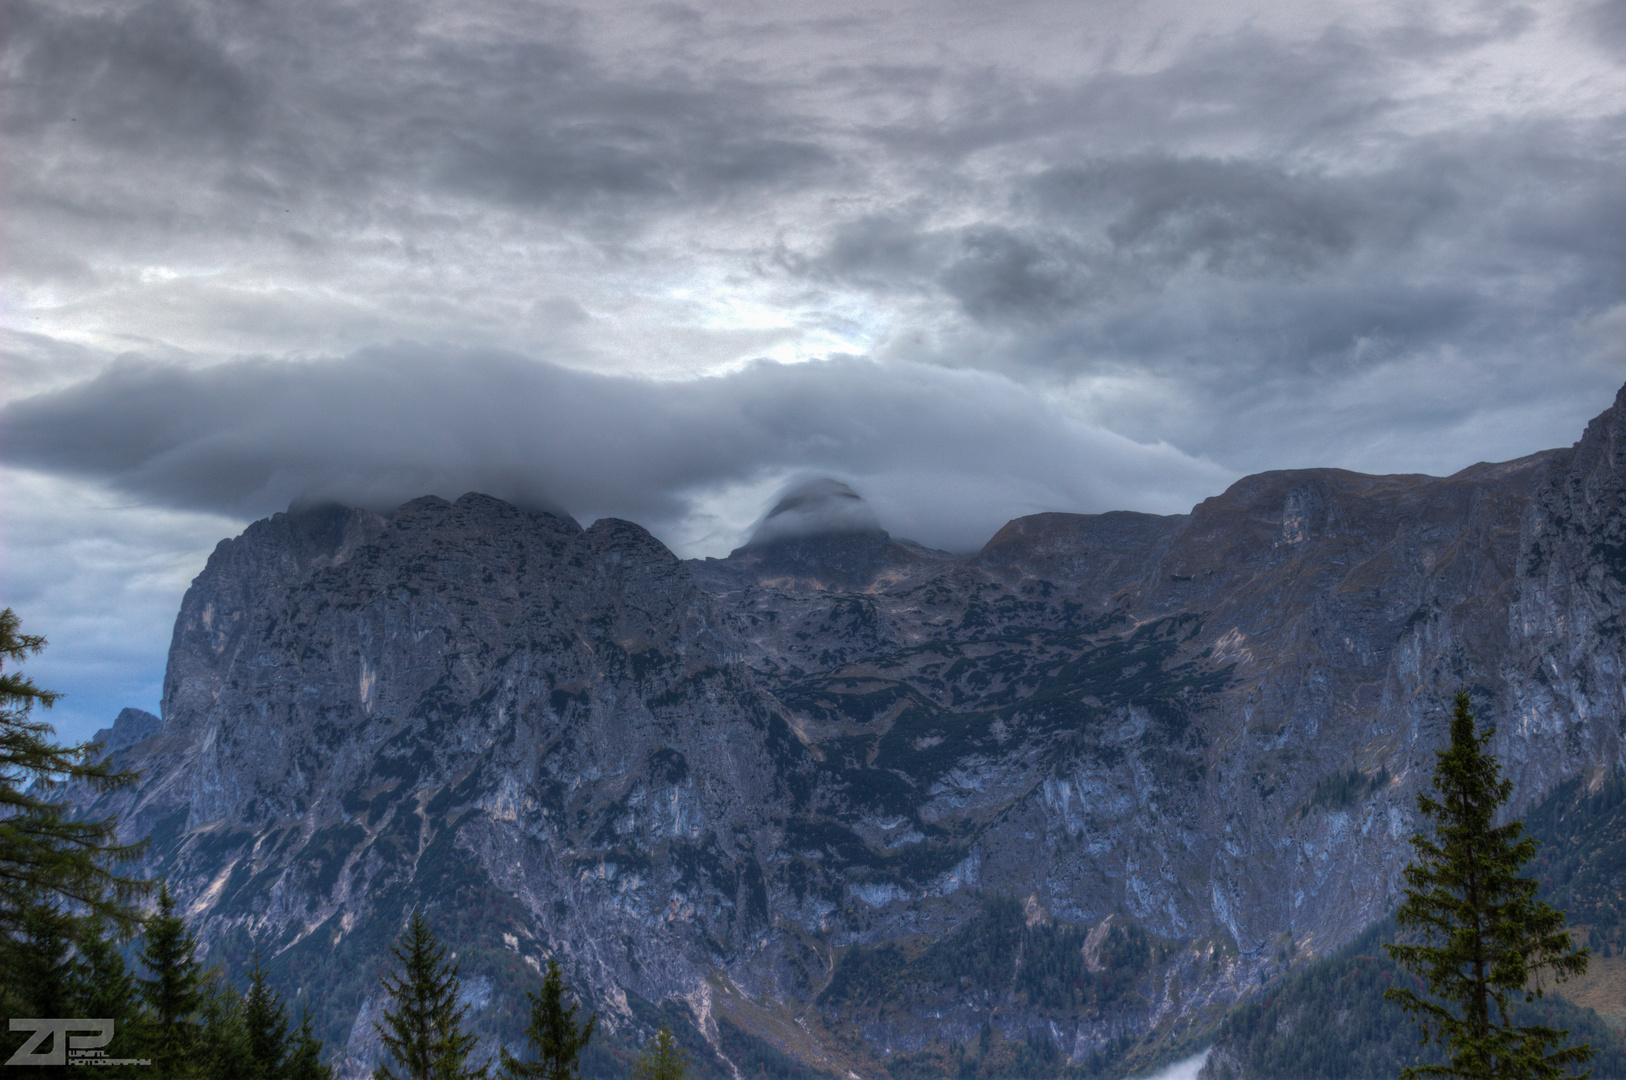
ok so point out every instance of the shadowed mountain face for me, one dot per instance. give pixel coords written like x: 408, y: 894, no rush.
x: 854, y: 802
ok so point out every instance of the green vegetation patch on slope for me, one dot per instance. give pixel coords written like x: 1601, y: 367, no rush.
x: 827, y: 849
x: 1343, y: 789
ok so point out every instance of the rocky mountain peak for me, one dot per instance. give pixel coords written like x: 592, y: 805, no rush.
x: 1608, y: 428
x: 820, y: 534
x: 821, y: 507
x: 129, y: 727
x: 1159, y: 758
x: 243, y: 574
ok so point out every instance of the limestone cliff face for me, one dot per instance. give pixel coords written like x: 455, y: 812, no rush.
x: 1140, y: 764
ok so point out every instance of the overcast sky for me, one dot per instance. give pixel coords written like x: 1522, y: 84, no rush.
x: 974, y: 258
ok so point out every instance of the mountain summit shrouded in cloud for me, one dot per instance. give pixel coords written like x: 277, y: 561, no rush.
x: 820, y: 507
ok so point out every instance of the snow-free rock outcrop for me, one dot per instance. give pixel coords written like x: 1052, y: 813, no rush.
x: 1133, y: 765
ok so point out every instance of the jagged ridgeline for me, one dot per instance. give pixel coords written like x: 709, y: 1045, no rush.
x: 1328, y: 1020
x: 840, y: 803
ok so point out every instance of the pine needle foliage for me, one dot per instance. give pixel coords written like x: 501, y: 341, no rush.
x: 305, y: 1060
x: 265, y: 1022
x: 109, y: 986
x: 46, y: 975
x: 223, y: 1050
x: 555, y: 1037
x: 662, y: 1059
x: 175, y: 989
x: 423, y: 1027
x: 1480, y: 937
x: 47, y: 858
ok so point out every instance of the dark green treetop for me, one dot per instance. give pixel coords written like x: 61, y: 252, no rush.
x: 555, y: 1036
x: 109, y: 987
x: 48, y: 975
x: 265, y: 1023
x: 423, y: 1027
x: 1480, y: 937
x: 662, y: 1059
x: 222, y: 1050
x: 175, y: 988
x: 305, y: 1060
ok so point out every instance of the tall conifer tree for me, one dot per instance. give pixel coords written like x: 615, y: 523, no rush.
x: 174, y: 989
x: 106, y: 988
x: 221, y: 1047
x: 1481, y: 938
x: 555, y: 1037
x: 265, y: 1022
x: 423, y: 1027
x: 305, y: 1060
x: 43, y: 969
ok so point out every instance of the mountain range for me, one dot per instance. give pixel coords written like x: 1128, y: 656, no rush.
x: 840, y: 804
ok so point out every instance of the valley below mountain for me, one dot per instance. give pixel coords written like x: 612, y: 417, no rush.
x: 843, y: 805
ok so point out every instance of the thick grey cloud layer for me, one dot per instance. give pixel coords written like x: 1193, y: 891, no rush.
x: 1181, y: 224
x: 950, y: 455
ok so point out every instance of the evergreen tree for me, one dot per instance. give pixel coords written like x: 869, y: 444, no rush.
x: 223, y: 1050
x: 305, y: 1059
x: 50, y: 976
x: 106, y: 988
x: 36, y: 980
x: 1481, y: 938
x: 47, y: 858
x: 423, y: 1028
x: 554, y: 1035
x: 662, y: 1059
x: 174, y: 990
x: 265, y: 1024
x: 42, y: 970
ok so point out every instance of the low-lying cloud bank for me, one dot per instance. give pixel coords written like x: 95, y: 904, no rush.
x: 945, y: 457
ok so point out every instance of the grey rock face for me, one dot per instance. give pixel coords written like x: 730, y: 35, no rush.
x: 130, y: 726
x: 738, y: 783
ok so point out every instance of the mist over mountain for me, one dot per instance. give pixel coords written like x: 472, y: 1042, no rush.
x: 389, y: 424
x: 844, y: 804
x: 819, y: 507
